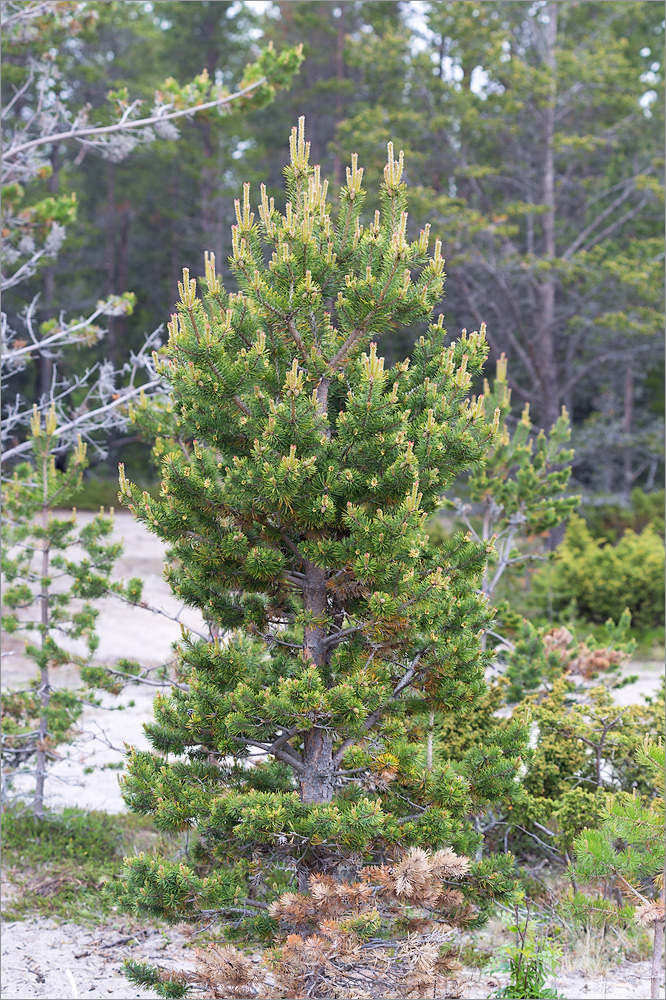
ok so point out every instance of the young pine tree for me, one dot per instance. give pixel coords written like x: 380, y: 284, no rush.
x: 298, y: 476
x: 50, y: 594
x: 628, y: 850
x: 521, y: 488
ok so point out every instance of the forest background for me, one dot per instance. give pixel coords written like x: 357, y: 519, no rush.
x: 533, y: 146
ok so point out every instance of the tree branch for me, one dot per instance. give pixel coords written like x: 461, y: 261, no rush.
x: 580, y: 239
x: 128, y: 125
x: 374, y: 717
x: 71, y: 425
x: 344, y: 350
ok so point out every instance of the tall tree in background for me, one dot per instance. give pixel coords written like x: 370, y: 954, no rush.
x: 160, y: 208
x: 537, y: 131
x: 327, y: 88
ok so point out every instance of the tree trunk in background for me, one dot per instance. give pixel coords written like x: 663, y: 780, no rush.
x: 45, y: 363
x: 545, y: 335
x: 211, y: 208
x: 339, y: 106
x: 211, y: 174
x: 111, y: 254
x: 627, y: 421
x: 117, y: 264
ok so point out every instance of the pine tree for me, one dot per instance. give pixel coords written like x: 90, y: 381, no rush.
x: 521, y: 487
x: 628, y: 848
x: 298, y: 476
x: 49, y: 595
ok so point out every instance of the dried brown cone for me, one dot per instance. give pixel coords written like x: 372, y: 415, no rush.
x: 412, y: 876
x: 377, y: 874
x: 419, y: 875
x: 292, y: 907
x: 355, y: 895
x: 331, y: 929
x: 595, y: 661
x: 325, y: 896
x: 282, y: 906
x: 315, y: 950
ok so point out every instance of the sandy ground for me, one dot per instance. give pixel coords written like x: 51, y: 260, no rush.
x: 38, y: 954
x: 628, y: 982
x: 48, y: 961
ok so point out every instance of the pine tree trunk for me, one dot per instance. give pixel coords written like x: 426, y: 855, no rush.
x: 45, y: 363
x: 657, y: 965
x: 627, y: 421
x: 317, y: 778
x: 44, y: 680
x: 550, y: 390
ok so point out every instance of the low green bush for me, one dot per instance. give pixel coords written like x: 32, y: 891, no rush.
x: 72, y: 833
x: 600, y: 580
x: 611, y: 520
x: 530, y: 961
x: 56, y: 866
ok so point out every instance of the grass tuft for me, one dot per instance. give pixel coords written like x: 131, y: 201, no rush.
x: 56, y: 866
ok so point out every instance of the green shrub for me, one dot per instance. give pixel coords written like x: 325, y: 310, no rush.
x: 611, y: 520
x: 603, y: 579
x: 57, y: 864
x: 70, y: 834
x: 529, y: 962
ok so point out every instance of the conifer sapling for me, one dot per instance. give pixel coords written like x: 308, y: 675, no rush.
x: 628, y: 848
x: 50, y: 596
x: 298, y: 476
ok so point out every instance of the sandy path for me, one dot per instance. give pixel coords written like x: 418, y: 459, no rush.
x: 37, y: 955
